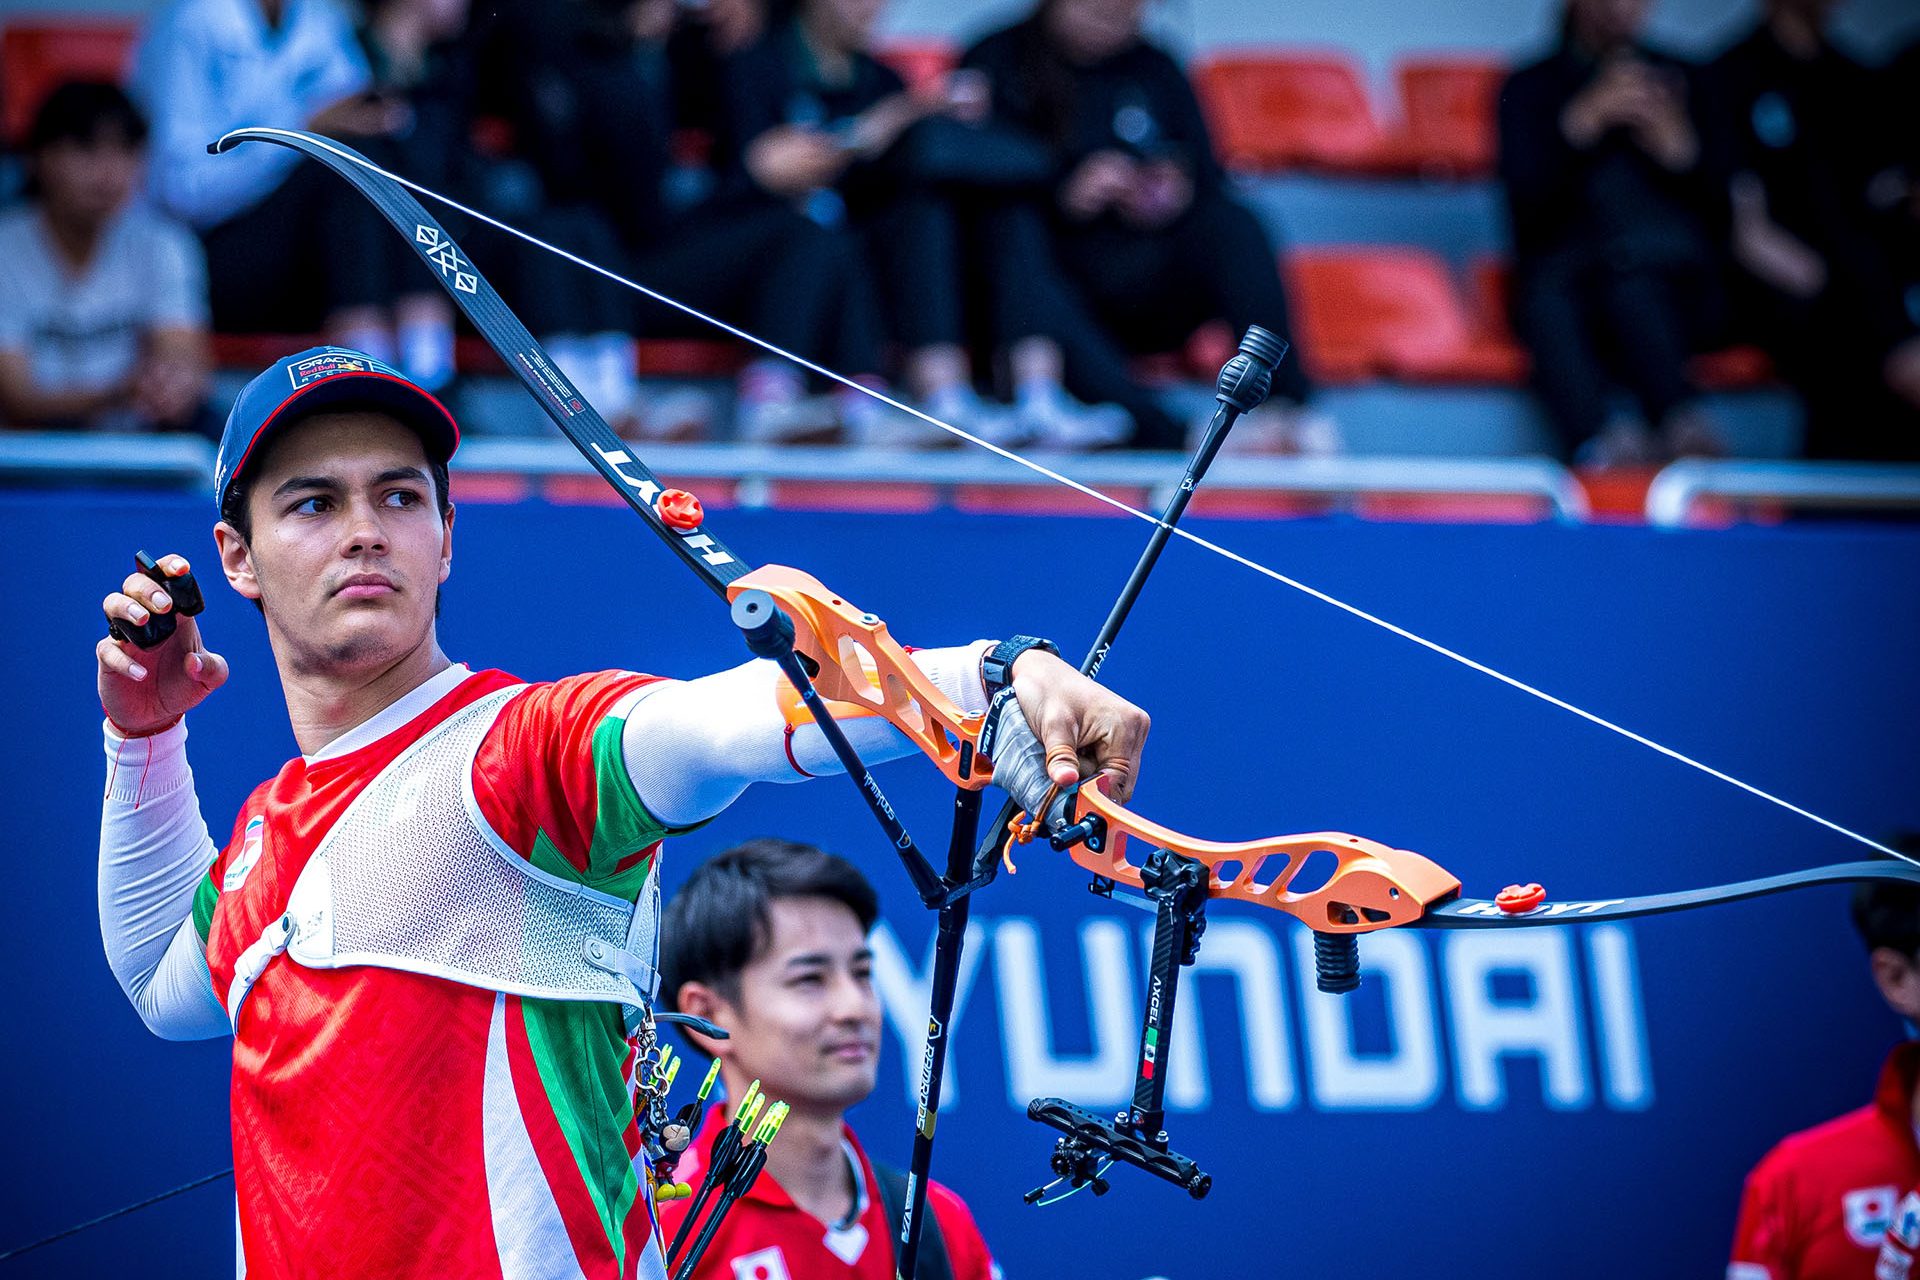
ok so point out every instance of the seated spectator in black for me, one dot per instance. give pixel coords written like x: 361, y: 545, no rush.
x: 1895, y: 190
x: 589, y: 88
x: 1617, y: 206
x: 815, y: 121
x: 1139, y: 218
x: 769, y: 941
x: 288, y: 245
x: 422, y: 62
x: 705, y: 36
x: 1814, y: 283
x: 104, y: 320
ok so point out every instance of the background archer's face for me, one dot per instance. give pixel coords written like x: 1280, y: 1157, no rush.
x: 806, y: 1020
x: 347, y: 548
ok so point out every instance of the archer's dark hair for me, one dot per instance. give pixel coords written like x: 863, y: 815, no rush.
x: 1887, y: 913
x: 721, y: 919
x: 85, y: 112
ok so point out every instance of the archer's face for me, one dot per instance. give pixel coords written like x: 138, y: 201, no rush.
x: 807, y: 1020
x: 348, y: 549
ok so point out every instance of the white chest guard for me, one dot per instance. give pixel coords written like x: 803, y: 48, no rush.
x: 412, y: 877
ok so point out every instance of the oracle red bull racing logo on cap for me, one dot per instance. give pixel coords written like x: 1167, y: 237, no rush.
x: 329, y: 364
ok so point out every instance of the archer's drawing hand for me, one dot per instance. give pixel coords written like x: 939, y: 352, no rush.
x: 1083, y: 726
x: 146, y: 690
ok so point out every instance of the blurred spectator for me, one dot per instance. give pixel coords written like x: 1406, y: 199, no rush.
x: 1616, y: 206
x: 1814, y: 283
x: 1137, y: 216
x: 289, y: 246
x: 1895, y: 190
x: 589, y: 88
x: 105, y: 315
x: 422, y: 63
x: 1817, y: 1205
x: 815, y: 121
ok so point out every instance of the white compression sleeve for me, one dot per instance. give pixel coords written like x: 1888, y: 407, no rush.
x: 693, y: 746
x: 154, y: 849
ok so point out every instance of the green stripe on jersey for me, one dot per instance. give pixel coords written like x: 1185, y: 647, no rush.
x: 622, y: 825
x: 205, y: 898
x: 580, y: 1050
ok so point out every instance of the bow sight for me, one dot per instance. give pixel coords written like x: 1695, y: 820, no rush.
x: 1137, y: 1136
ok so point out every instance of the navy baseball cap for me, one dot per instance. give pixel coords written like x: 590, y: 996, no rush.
x: 317, y: 380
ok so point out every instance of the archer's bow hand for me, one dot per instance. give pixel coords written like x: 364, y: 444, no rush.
x: 1083, y: 727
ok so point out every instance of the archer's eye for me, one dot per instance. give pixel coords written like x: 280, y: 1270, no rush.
x: 312, y: 506
x: 403, y: 498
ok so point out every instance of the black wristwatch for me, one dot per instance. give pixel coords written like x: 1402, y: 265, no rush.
x: 996, y: 665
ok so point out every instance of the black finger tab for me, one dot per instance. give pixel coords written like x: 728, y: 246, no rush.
x: 187, y: 603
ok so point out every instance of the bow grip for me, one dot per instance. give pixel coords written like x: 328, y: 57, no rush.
x: 1019, y: 761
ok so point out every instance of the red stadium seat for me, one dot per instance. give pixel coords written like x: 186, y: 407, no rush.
x: 1447, y: 115
x: 1290, y: 110
x: 40, y: 53
x: 1392, y: 312
x: 923, y: 64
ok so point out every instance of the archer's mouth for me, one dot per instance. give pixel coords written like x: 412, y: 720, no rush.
x: 366, y: 586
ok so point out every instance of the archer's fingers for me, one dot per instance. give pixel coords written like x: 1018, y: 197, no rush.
x: 122, y: 607
x: 148, y: 592
x: 117, y: 661
x: 1120, y: 753
x: 207, y: 669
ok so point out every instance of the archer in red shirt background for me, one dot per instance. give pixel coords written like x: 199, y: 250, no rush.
x: 1818, y: 1205
x: 769, y: 941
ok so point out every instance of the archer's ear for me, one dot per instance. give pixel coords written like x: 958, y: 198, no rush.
x: 702, y: 1001
x: 236, y: 560
x: 446, y: 546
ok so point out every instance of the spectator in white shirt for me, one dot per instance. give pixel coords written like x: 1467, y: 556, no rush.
x: 289, y: 248
x: 104, y: 325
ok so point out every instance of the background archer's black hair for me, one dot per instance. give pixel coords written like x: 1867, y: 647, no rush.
x: 720, y: 920
x: 1887, y: 913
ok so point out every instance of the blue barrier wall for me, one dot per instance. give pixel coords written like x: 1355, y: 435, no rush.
x: 1573, y: 1102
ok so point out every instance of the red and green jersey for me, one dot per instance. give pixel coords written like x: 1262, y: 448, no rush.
x: 390, y: 1124
x: 767, y: 1236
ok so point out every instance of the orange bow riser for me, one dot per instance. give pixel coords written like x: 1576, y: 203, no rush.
x: 863, y: 670
x: 1373, y: 886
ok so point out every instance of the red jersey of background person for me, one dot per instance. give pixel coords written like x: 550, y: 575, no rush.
x: 766, y: 1236
x: 1817, y: 1206
x: 1902, y: 1244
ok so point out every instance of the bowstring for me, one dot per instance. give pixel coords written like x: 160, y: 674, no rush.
x: 1125, y: 508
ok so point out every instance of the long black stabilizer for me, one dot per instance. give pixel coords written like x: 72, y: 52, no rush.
x: 482, y: 304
